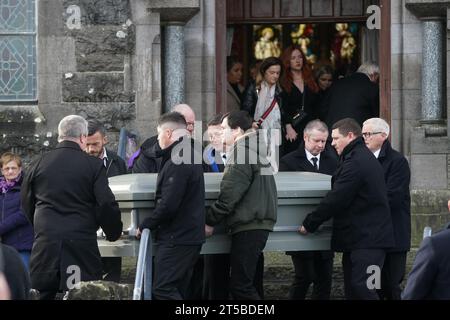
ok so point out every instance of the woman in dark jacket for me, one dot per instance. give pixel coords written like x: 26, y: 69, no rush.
x: 261, y: 95
x: 299, y: 89
x: 15, y: 230
x: 324, y: 78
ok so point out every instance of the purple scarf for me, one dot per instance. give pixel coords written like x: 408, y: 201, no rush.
x: 5, y: 185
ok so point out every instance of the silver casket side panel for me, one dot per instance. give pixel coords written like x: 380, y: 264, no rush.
x: 298, y: 194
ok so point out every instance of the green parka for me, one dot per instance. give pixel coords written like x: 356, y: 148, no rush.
x: 248, y: 194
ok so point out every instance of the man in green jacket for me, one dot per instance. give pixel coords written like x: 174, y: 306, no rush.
x: 247, y: 202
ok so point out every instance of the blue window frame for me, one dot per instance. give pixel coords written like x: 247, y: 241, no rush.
x: 18, y: 50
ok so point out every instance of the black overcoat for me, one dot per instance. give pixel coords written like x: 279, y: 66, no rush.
x: 66, y: 197
x: 357, y: 203
x: 352, y: 97
x: 397, y: 176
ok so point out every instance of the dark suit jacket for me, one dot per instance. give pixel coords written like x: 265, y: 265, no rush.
x: 115, y: 165
x: 297, y: 161
x: 353, y: 97
x: 430, y: 275
x: 397, y: 176
x: 66, y: 196
x: 357, y: 203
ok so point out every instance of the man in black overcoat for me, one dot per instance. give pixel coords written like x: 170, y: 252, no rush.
x: 356, y: 96
x: 397, y: 176
x: 65, y: 195
x: 312, y: 267
x: 358, y: 204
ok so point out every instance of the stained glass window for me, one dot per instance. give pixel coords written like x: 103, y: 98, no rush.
x: 17, y: 50
x: 267, y: 41
x: 303, y: 35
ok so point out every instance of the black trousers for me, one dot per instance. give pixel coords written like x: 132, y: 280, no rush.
x: 216, y: 283
x: 112, y: 268
x: 245, y: 256
x: 173, y: 271
x: 196, y: 290
x: 315, y: 267
x: 356, y: 265
x: 392, y: 275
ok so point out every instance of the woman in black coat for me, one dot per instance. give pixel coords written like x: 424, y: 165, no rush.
x: 324, y: 79
x: 299, y: 90
x: 259, y: 97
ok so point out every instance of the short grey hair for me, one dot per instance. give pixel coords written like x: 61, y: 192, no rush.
x: 369, y: 68
x: 378, y: 125
x: 315, y: 125
x: 72, y: 127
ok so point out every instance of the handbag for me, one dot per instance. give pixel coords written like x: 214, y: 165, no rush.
x: 300, y: 114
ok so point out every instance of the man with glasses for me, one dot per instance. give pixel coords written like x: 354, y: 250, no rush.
x: 358, y: 204
x: 146, y: 159
x: 397, y: 176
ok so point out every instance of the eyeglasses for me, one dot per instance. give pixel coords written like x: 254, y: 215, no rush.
x: 369, y: 134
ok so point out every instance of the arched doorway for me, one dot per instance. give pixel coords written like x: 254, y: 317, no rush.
x: 320, y: 26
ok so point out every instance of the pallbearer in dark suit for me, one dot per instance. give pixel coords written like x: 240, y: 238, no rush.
x: 312, y: 267
x: 96, y: 146
x: 358, y: 204
x: 65, y: 195
x: 397, y: 176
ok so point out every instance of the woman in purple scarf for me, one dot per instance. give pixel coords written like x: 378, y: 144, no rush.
x: 15, y: 230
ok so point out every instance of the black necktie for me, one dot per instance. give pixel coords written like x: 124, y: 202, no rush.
x: 314, y: 160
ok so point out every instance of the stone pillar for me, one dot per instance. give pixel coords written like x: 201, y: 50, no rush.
x: 432, y: 14
x: 173, y: 15
x: 174, y: 62
x: 433, y: 71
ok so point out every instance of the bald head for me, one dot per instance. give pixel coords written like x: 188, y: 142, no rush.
x: 188, y: 115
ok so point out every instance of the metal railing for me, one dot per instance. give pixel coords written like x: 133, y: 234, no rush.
x: 143, y: 281
x: 427, y: 232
